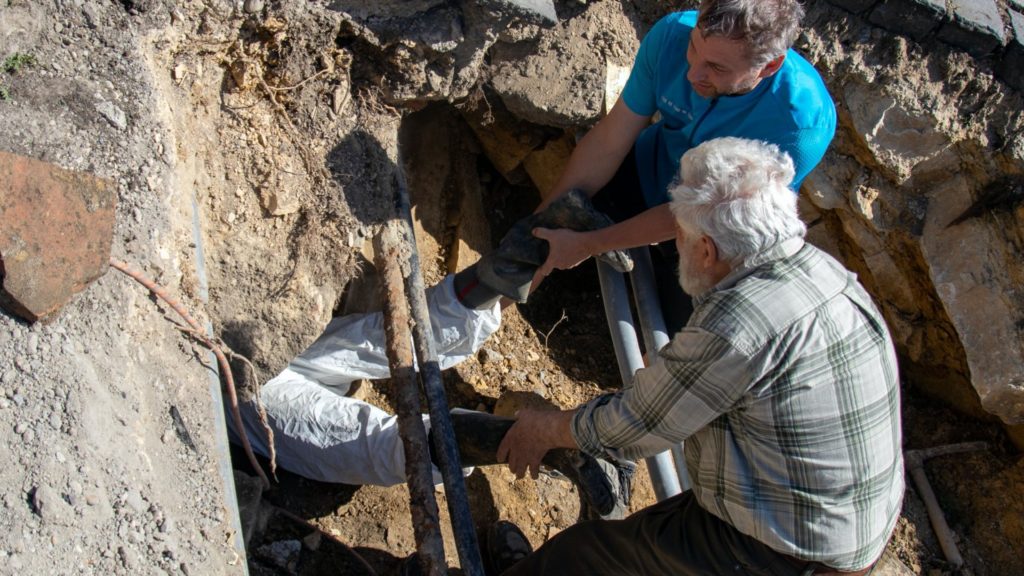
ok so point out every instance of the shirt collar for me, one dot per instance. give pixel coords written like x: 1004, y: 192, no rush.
x: 777, y: 251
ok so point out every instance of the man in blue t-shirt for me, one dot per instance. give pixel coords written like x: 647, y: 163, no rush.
x: 727, y: 70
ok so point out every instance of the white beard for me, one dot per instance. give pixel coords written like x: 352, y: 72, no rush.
x: 690, y: 280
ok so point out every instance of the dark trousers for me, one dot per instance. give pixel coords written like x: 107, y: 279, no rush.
x: 675, y: 537
x: 621, y: 199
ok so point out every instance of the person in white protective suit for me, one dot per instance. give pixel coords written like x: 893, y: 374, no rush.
x: 322, y: 434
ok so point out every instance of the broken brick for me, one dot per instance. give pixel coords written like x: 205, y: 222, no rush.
x: 56, y: 227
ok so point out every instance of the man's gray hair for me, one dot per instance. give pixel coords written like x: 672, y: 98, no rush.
x: 769, y: 27
x: 736, y: 191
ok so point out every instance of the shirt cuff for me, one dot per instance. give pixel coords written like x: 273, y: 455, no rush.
x: 585, y: 432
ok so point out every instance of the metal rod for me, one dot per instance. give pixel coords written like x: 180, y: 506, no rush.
x: 392, y: 253
x: 664, y: 478
x: 445, y: 446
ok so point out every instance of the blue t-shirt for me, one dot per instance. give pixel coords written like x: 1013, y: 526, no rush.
x: 791, y: 109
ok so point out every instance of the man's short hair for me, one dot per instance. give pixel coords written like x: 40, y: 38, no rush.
x: 736, y: 191
x: 768, y: 27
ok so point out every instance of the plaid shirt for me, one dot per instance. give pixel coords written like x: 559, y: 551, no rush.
x: 784, y: 386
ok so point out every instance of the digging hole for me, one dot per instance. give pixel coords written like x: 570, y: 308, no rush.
x: 554, y: 350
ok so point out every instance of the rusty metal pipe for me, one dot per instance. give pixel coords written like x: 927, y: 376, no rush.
x: 445, y: 446
x: 392, y: 253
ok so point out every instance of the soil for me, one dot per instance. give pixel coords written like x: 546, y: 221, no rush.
x: 272, y: 131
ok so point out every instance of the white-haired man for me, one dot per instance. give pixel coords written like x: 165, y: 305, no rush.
x: 783, y: 385
x: 725, y: 70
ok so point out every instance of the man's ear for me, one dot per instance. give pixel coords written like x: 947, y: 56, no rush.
x: 708, y: 252
x: 772, y: 66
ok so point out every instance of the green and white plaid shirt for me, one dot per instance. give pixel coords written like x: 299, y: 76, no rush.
x: 784, y: 386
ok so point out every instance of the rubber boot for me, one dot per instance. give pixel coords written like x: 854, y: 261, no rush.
x: 508, y: 270
x: 604, y: 487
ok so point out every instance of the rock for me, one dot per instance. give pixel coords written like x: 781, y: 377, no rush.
x: 129, y: 560
x: 56, y: 228
x: 506, y: 139
x: 490, y: 356
x: 92, y: 17
x: 1010, y: 69
x: 49, y: 505
x: 283, y: 553
x: 253, y: 6
x: 546, y: 164
x: 113, y: 114
x: 562, y: 81
x: 279, y: 194
x: 914, y: 18
x: 135, y: 501
x: 976, y: 27
x: 899, y: 138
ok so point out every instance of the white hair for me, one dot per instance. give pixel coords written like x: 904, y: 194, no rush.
x: 736, y: 191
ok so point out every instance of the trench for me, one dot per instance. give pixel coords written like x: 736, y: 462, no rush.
x: 554, y: 350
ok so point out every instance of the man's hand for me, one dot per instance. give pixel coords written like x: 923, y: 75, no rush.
x: 566, y: 249
x: 529, y: 439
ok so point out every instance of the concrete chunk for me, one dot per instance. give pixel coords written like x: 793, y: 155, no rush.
x: 56, y: 228
x: 914, y: 18
x: 976, y: 27
x: 1011, y: 69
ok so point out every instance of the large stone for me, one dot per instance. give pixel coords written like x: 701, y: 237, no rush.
x: 56, y: 227
x: 546, y: 164
x: 506, y: 140
x: 1011, y: 68
x: 898, y: 138
x: 561, y: 81
x: 976, y: 27
x: 915, y: 18
x: 968, y: 264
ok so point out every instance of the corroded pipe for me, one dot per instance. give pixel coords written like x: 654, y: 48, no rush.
x: 445, y: 447
x: 392, y: 253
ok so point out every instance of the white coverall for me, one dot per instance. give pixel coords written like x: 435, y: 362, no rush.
x: 322, y: 434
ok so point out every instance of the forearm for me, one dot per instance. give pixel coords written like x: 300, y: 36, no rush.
x: 650, y: 227
x: 591, y: 166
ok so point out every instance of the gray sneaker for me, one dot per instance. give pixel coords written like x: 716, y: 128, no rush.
x: 604, y: 487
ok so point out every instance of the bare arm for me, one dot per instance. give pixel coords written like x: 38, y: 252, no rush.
x: 599, y: 153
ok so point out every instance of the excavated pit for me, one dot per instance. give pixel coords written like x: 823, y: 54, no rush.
x: 291, y: 223
x: 285, y: 123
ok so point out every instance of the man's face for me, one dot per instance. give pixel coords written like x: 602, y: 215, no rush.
x: 721, y: 66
